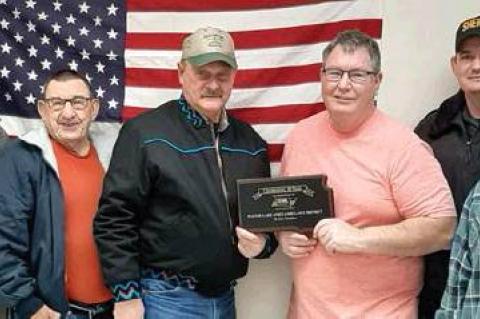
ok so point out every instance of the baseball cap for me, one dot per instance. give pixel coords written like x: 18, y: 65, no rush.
x: 207, y: 45
x: 466, y: 29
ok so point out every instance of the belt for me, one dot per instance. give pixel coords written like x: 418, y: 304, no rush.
x: 187, y: 281
x: 90, y: 310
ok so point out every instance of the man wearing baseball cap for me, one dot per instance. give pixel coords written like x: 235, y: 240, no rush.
x: 453, y: 132
x: 166, y: 225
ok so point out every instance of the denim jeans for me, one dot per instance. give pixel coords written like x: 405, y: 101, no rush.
x: 167, y: 300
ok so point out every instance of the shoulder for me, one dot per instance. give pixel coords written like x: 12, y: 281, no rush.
x: 439, y: 119
x: 15, y: 148
x: 243, y: 131
x: 425, y: 125
x: 19, y: 158
x: 308, y: 125
x: 152, y: 117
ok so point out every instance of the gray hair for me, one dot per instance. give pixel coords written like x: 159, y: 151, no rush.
x: 352, y: 40
x: 64, y: 75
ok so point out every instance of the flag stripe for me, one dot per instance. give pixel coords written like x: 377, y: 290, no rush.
x: 247, y: 20
x: 275, y: 152
x: 300, y: 35
x: 244, y: 79
x: 247, y: 59
x: 212, y: 5
x: 277, y: 114
x: 255, y: 115
x: 305, y: 93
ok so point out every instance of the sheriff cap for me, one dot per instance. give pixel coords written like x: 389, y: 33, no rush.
x: 467, y: 29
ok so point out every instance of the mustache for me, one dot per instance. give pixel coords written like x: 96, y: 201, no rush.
x: 209, y: 93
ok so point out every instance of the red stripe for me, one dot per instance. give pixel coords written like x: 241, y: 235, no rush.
x: 308, y: 34
x: 254, y: 115
x: 276, y: 114
x: 212, y: 5
x: 275, y: 152
x: 161, y: 78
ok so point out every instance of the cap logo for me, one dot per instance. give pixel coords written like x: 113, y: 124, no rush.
x: 214, y: 40
x: 470, y: 24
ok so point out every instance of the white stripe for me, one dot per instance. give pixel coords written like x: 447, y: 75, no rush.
x: 275, y: 169
x: 274, y: 133
x: 253, y: 19
x: 17, y: 126
x: 305, y: 93
x: 247, y: 59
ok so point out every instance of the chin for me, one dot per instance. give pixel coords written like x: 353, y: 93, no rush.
x: 472, y: 89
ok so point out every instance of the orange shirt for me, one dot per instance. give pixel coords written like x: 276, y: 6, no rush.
x: 381, y: 174
x: 81, y: 179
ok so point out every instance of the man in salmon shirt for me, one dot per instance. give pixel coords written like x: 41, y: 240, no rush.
x: 392, y: 202
x: 51, y: 180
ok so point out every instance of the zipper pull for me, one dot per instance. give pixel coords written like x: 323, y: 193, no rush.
x: 469, y: 151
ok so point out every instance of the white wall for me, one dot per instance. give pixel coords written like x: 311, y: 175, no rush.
x: 417, y: 43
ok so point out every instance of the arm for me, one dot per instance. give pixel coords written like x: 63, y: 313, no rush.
x: 463, y: 269
x: 423, y: 200
x: 17, y: 197
x: 257, y: 245
x: 126, y: 186
x: 412, y: 237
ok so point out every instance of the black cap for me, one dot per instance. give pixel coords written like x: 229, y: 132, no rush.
x: 466, y: 29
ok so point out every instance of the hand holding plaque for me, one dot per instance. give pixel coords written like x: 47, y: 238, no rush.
x: 284, y: 203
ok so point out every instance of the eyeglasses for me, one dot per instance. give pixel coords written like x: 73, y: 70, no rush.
x: 356, y: 76
x: 78, y: 103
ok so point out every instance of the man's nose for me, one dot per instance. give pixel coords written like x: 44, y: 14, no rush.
x: 344, y: 82
x: 68, y: 110
x: 476, y: 62
x: 213, y: 84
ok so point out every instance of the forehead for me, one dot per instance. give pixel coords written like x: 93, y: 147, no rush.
x: 66, y: 88
x: 354, y: 57
x: 216, y: 66
x: 469, y: 44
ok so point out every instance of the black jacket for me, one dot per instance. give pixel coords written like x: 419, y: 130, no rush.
x: 163, y: 205
x: 458, y: 154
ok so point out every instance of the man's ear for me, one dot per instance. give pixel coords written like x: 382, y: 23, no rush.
x: 96, y: 108
x: 41, y: 109
x: 180, y: 70
x: 453, y: 64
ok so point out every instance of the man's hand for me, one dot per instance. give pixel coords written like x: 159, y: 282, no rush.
x: 250, y: 244
x: 295, y: 245
x: 336, y: 235
x: 45, y: 313
x: 128, y: 309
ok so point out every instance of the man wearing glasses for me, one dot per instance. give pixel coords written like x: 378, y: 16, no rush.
x: 51, y: 180
x: 392, y: 202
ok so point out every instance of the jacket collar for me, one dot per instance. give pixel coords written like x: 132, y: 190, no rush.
x: 103, y: 139
x: 448, y: 112
x: 196, y: 119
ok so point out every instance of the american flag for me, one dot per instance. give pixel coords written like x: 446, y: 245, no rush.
x: 129, y: 50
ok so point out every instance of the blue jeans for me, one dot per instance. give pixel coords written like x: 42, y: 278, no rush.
x: 167, y: 300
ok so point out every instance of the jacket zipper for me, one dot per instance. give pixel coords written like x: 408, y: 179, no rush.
x: 469, y: 150
x: 222, y: 181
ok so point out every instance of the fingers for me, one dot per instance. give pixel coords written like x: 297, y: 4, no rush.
x: 250, y: 244
x: 244, y: 234
x: 322, y: 227
x: 296, y: 245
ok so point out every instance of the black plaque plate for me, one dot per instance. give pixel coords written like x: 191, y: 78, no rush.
x: 284, y: 203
